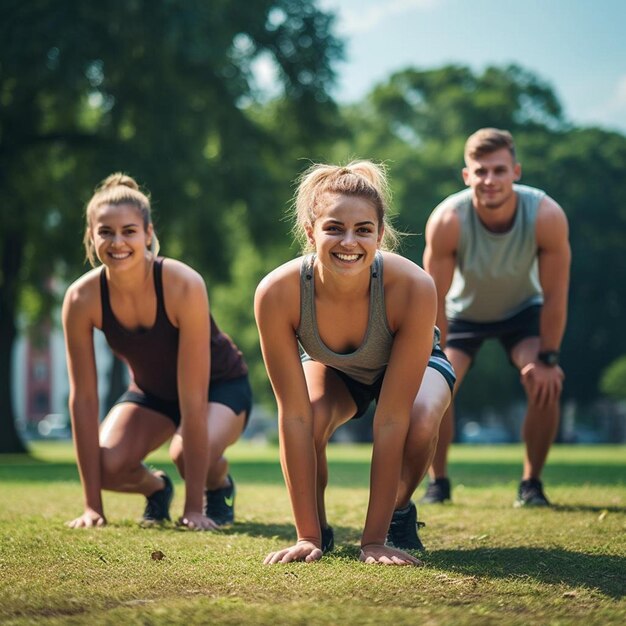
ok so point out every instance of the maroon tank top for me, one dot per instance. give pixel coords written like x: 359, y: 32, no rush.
x: 152, y: 353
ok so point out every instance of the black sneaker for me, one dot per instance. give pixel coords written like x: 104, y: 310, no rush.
x: 328, y: 539
x: 220, y: 504
x: 530, y: 493
x: 158, y: 504
x: 403, y: 529
x: 437, y: 492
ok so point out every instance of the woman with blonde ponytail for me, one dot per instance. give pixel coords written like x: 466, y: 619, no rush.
x: 338, y: 332
x: 188, y: 381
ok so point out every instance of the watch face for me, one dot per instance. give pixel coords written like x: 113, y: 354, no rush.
x: 549, y: 358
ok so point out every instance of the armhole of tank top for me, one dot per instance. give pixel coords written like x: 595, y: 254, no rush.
x: 306, y: 276
x: 378, y: 278
x: 160, y: 292
x: 105, y: 302
x: 462, y: 211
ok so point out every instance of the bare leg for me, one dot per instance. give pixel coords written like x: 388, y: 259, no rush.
x: 540, y: 423
x: 224, y: 429
x: 430, y: 404
x: 332, y: 406
x: 127, y: 435
x: 439, y: 468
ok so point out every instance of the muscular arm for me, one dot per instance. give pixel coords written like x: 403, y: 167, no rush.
x: 411, y: 305
x: 543, y: 384
x: 554, y: 265
x: 275, y: 317
x: 442, y: 235
x: 83, y: 397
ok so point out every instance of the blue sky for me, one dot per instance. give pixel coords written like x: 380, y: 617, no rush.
x: 577, y: 46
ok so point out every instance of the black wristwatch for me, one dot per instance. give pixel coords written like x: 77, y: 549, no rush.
x: 549, y: 357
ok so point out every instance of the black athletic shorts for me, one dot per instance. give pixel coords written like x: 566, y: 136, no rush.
x: 469, y: 336
x: 363, y: 394
x: 236, y: 394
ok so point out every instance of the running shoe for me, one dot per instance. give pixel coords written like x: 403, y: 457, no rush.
x: 437, y: 492
x: 403, y: 530
x: 220, y: 504
x: 328, y: 539
x: 530, y: 493
x: 158, y: 504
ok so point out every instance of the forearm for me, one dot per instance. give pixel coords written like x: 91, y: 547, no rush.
x: 87, y: 447
x: 196, y: 455
x: 552, y: 323
x: 299, y: 465
x: 389, y: 440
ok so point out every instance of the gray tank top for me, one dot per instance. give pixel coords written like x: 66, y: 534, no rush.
x: 370, y: 359
x: 496, y: 274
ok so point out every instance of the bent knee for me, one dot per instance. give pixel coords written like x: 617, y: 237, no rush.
x: 114, y: 468
x: 425, y: 420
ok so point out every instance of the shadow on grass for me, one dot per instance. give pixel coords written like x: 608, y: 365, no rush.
x: 342, y: 473
x: 287, y: 532
x: 556, y: 566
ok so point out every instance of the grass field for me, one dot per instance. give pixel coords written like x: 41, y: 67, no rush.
x: 487, y: 563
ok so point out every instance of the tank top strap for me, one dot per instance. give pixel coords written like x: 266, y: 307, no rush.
x: 158, y: 288
x: 378, y: 312
x: 306, y: 269
x: 107, y: 312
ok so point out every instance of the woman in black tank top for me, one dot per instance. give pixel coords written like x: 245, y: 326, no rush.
x: 188, y: 380
x: 364, y: 320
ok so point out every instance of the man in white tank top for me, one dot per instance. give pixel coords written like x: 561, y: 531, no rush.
x: 499, y: 254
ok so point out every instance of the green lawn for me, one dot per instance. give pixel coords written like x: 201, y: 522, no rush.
x: 487, y: 563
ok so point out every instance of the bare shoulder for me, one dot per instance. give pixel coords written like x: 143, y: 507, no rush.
x: 551, y: 224
x: 549, y: 209
x: 277, y: 298
x: 181, y: 285
x: 401, y: 275
x: 184, y: 291
x: 409, y: 291
x: 82, y: 297
x: 443, y: 226
x: 281, y: 283
x: 179, y: 275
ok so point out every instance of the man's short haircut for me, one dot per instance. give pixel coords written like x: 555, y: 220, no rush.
x: 488, y: 140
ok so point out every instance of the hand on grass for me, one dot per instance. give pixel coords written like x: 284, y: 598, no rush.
x: 89, y: 519
x: 195, y: 520
x: 301, y: 551
x: 383, y: 555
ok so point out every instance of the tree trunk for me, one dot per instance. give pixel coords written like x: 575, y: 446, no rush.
x: 11, y: 249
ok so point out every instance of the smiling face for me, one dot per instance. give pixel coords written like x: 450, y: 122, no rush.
x: 491, y: 178
x: 346, y: 233
x: 119, y: 236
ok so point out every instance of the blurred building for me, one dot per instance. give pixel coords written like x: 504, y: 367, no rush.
x: 40, y: 380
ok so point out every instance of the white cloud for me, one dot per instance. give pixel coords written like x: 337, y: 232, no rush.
x: 367, y: 18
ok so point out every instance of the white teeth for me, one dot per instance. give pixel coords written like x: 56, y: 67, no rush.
x: 119, y: 256
x: 347, y: 257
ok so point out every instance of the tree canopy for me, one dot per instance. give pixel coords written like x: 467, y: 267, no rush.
x: 157, y: 89
x: 166, y: 91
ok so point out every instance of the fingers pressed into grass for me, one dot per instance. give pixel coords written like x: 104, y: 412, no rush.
x: 374, y: 554
x: 301, y: 551
x: 89, y: 519
x: 197, y: 521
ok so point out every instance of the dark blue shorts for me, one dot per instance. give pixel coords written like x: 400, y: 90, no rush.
x: 236, y: 394
x: 468, y: 337
x: 363, y: 394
